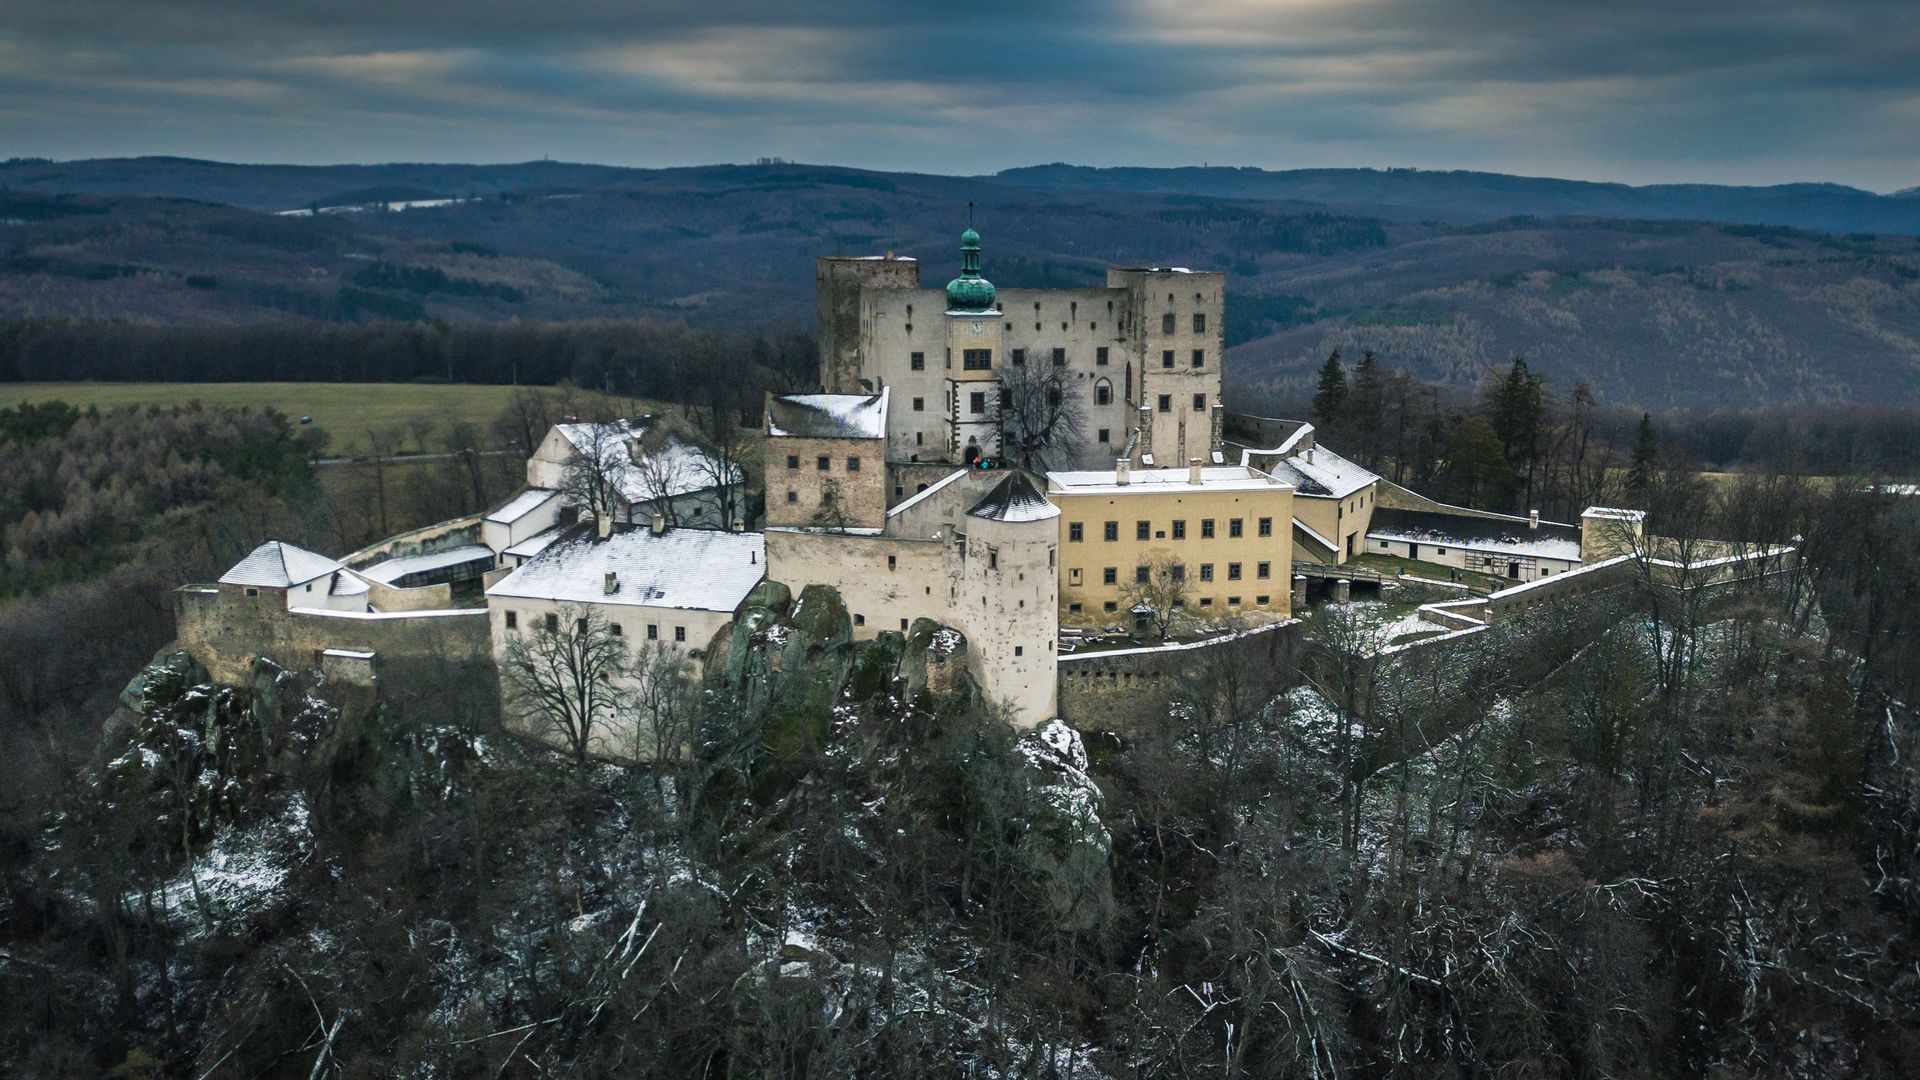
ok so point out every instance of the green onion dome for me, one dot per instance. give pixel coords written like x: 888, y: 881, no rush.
x: 970, y: 291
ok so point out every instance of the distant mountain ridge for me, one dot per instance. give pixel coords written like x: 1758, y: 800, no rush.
x: 1480, y: 196
x: 1449, y: 196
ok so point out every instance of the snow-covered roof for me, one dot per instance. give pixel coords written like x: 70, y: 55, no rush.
x: 392, y: 570
x: 671, y: 469
x: 692, y: 569
x: 1158, y: 481
x: 927, y: 492
x: 348, y: 583
x: 1613, y: 513
x: 279, y: 565
x: 1318, y: 471
x: 522, y: 504
x: 1014, y: 499
x: 829, y: 416
x: 1471, y: 533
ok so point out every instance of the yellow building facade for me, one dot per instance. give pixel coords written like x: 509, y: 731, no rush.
x: 1227, y: 528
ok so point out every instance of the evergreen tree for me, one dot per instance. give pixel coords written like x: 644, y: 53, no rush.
x: 1477, y: 469
x: 1646, y: 453
x: 1519, y: 419
x: 1330, y: 400
x: 1367, y: 409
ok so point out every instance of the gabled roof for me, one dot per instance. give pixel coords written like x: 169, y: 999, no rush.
x: 1014, y: 499
x: 694, y: 569
x: 1321, y: 472
x: 279, y: 565
x: 829, y: 416
x: 522, y: 504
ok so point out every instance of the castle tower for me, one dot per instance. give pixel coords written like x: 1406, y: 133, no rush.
x: 837, y: 284
x: 975, y: 334
x: 1007, y: 596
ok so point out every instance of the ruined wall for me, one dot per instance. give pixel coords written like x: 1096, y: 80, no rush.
x: 837, y: 286
x: 225, y: 629
x: 426, y: 540
x: 1129, y: 689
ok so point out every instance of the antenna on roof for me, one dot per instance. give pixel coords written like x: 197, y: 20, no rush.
x: 969, y: 213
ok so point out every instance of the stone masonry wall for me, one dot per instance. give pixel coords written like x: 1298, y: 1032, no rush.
x: 225, y: 629
x: 1128, y: 689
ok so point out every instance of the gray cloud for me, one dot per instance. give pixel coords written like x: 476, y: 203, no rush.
x: 1761, y: 91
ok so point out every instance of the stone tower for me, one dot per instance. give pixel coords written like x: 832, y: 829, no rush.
x: 975, y: 331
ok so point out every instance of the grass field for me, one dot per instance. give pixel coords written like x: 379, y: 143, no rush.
x: 345, y: 410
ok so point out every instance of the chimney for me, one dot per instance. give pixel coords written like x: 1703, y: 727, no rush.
x: 1122, y: 471
x: 659, y: 524
x: 1309, y: 455
x: 603, y: 525
x: 1193, y: 471
x: 1533, y: 520
x: 739, y: 524
x: 613, y: 583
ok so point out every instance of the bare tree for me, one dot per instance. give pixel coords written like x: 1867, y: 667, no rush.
x: 593, y: 479
x: 566, y: 679
x: 728, y: 449
x: 1158, y: 593
x: 660, y: 470
x: 1038, y: 413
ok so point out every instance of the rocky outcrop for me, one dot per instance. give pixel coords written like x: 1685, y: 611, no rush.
x: 1066, y: 850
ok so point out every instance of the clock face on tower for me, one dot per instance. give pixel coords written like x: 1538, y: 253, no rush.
x: 976, y: 326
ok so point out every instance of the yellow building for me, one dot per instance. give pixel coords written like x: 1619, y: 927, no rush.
x: 1226, y: 529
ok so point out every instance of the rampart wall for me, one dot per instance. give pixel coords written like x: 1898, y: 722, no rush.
x: 1127, y: 689
x: 225, y: 629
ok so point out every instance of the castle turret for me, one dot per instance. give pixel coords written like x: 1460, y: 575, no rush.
x: 974, y: 337
x: 1009, y: 596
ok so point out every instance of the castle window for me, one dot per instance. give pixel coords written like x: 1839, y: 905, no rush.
x: 1206, y: 528
x: 1206, y: 571
x: 981, y: 359
x: 1166, y: 402
x: 903, y: 626
x: 1166, y: 321
x: 793, y: 461
x: 919, y: 361
x: 1017, y: 357
x: 1180, y: 529
x: 1142, y: 575
x: 1166, y: 358
x: 1235, y: 528
x: 679, y: 633
x: 893, y: 562
x: 993, y: 559
x: 977, y: 402
x: 1233, y: 601
x: 1143, y: 530
x: 1109, y: 606
x: 919, y: 404
x: 513, y: 620
x: 1263, y: 571
x: 1112, y: 531
x: 1266, y: 526
x: 1019, y: 650
x: 898, y: 491
x: 1178, y: 571
x: 1103, y: 394
x: 1075, y: 532
x: 653, y: 631
x: 1199, y: 403
x: 1263, y: 598
x: 1199, y: 322
x: 1206, y: 601
x: 1110, y: 576
x: 615, y: 628
x: 824, y: 463
x: 1199, y: 358
x: 580, y: 626
x: 1100, y: 356
x: 251, y: 591
x: 1233, y: 573
x: 553, y: 623
x: 1059, y: 357
x: 853, y: 464
x: 859, y: 619
x: 792, y: 496
x: 1073, y: 576
x: 1105, y: 436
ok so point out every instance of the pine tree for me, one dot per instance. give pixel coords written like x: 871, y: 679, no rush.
x: 1330, y: 400
x: 1519, y: 418
x: 1367, y: 409
x: 1646, y: 454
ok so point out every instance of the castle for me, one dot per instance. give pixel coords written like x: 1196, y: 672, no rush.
x: 1047, y: 471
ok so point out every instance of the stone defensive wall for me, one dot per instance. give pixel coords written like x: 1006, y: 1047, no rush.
x: 1127, y: 689
x: 225, y: 629
x: 426, y: 540
x: 1716, y: 567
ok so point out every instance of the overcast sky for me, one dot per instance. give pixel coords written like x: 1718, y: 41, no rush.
x: 1741, y: 91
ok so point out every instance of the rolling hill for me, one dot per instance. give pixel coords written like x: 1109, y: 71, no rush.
x: 1654, y: 309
